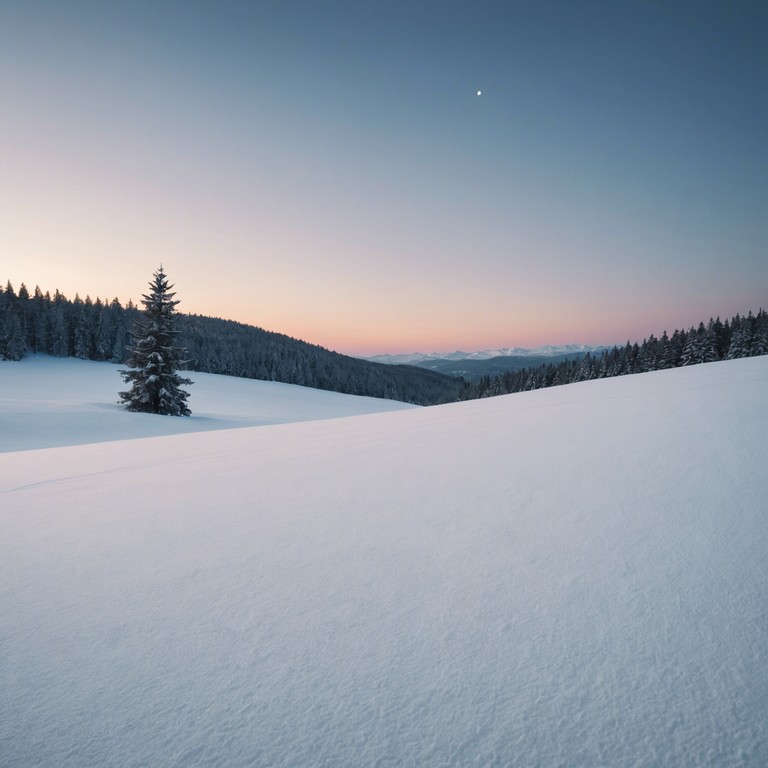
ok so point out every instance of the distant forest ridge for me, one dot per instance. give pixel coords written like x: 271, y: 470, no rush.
x: 98, y: 330
x: 741, y: 336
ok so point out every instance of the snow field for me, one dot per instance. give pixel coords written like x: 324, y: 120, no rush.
x: 47, y: 402
x: 568, y: 577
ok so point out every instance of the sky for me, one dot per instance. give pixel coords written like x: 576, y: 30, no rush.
x: 328, y: 169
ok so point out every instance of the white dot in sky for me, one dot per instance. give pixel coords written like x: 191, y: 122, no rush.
x: 479, y: 93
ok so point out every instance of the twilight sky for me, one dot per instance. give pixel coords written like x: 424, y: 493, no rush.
x: 326, y: 169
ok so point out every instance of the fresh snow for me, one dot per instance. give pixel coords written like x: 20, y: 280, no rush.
x: 485, y: 354
x: 573, y: 576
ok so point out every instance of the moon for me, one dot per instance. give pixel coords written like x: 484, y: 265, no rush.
x: 479, y: 93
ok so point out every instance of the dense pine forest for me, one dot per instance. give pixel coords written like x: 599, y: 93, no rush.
x: 98, y: 330
x: 39, y: 323
x: 738, y: 337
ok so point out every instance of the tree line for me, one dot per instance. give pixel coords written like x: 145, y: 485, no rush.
x: 741, y: 336
x: 101, y: 330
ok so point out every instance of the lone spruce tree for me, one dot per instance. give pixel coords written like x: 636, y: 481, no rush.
x: 154, y: 358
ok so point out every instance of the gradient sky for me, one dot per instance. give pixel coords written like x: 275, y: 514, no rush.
x: 326, y: 169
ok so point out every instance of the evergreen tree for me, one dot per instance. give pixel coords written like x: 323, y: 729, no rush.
x: 104, y: 329
x: 759, y: 343
x: 12, y: 343
x: 40, y: 322
x: 701, y: 346
x: 81, y: 332
x: 59, y: 331
x: 741, y: 338
x: 662, y: 359
x: 22, y: 303
x: 722, y: 333
x: 119, y: 337
x: 692, y: 349
x: 674, y: 349
x: 154, y: 357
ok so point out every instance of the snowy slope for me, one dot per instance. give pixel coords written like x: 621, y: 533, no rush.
x: 566, y: 577
x: 47, y: 402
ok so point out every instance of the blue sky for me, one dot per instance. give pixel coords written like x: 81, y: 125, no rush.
x: 327, y: 170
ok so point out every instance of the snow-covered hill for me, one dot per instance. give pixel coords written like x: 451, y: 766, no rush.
x: 548, y: 350
x: 47, y: 402
x: 565, y: 577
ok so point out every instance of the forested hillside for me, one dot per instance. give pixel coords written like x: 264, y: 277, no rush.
x: 738, y: 337
x: 98, y: 330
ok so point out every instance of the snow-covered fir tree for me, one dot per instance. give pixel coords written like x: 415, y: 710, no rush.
x: 759, y: 343
x: 154, y: 358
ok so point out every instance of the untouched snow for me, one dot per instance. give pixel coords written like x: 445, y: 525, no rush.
x: 47, y: 402
x: 567, y: 577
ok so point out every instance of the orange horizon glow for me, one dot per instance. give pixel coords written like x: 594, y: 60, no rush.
x: 366, y: 336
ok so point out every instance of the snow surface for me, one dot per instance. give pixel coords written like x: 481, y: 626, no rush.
x: 574, y: 576
x: 47, y: 402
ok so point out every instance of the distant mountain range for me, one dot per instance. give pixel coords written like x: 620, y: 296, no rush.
x: 488, y: 362
x: 548, y: 350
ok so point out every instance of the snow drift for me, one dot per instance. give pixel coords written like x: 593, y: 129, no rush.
x: 566, y: 577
